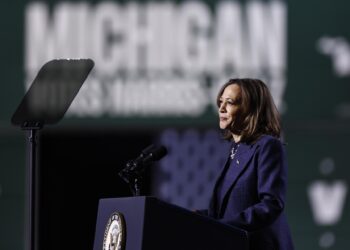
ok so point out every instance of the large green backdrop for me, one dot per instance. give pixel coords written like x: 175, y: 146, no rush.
x: 160, y: 63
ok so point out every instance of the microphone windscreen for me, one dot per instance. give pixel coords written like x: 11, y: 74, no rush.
x: 148, y: 150
x: 159, y: 153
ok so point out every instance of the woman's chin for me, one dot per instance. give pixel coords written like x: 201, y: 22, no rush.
x: 223, y: 126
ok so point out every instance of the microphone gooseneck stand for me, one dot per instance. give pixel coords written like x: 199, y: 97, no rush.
x: 132, y: 178
x: 132, y: 174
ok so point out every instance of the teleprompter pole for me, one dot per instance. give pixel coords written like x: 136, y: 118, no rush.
x: 32, y: 202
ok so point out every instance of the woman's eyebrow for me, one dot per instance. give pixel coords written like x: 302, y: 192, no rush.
x: 229, y: 98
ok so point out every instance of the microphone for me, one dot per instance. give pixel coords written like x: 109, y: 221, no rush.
x: 135, y: 167
x: 144, y: 153
x: 149, y: 155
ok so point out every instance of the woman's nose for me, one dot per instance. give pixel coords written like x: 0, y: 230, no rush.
x: 222, y: 107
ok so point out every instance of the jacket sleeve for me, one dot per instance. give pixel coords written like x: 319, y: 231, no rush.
x: 202, y: 212
x: 271, y: 188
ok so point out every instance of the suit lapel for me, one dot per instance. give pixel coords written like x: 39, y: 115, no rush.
x: 213, y: 203
x: 237, y: 166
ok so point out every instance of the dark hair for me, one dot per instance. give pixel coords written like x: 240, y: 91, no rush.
x: 257, y: 114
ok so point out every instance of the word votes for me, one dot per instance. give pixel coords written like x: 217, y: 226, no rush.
x: 339, y: 51
x: 327, y: 201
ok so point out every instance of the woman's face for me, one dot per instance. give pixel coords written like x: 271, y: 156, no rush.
x: 228, y: 105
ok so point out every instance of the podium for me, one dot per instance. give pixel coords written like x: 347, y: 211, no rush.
x: 151, y: 224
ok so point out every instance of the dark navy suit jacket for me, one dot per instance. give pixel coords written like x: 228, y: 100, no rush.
x: 254, y: 198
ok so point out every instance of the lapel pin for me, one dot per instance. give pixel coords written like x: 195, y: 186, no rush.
x: 237, y: 161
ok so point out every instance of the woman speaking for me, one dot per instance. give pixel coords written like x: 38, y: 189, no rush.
x: 251, y: 188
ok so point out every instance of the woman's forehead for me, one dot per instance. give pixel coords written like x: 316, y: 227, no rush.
x: 231, y: 91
